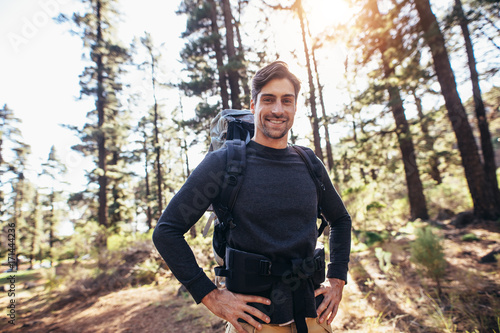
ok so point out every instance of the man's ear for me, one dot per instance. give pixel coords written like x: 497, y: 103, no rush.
x: 252, y: 106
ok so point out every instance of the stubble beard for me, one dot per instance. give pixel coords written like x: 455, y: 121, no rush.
x: 274, y: 134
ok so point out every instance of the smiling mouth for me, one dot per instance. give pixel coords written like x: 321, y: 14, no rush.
x: 277, y: 122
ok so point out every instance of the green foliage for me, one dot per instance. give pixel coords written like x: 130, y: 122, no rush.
x: 451, y: 194
x: 368, y: 210
x: 52, y: 280
x: 470, y: 237
x: 122, y: 240
x: 22, y: 276
x: 145, y: 272
x: 427, y: 252
x: 375, y: 205
x: 371, y: 237
x: 364, y: 239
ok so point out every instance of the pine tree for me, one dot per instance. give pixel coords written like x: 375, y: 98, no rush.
x: 53, y: 172
x: 489, y: 165
x: 104, y: 135
x: 382, y: 36
x: 147, y: 42
x: 483, y: 196
x: 212, y: 61
x: 14, y: 154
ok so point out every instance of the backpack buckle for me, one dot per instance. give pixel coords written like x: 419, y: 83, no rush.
x: 265, y: 267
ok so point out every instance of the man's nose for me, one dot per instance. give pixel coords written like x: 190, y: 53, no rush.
x: 278, y: 109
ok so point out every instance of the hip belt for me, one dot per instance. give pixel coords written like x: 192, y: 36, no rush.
x: 247, y: 272
x: 253, y: 273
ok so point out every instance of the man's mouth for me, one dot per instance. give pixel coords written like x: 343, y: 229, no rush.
x: 275, y: 121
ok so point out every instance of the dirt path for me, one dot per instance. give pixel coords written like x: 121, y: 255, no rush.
x: 142, y: 309
x: 376, y: 299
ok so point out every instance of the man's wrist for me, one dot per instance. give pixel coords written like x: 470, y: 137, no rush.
x: 336, y: 281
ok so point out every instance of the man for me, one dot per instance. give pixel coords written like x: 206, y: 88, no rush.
x: 275, y: 215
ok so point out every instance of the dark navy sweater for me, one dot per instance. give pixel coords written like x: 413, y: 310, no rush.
x: 275, y: 215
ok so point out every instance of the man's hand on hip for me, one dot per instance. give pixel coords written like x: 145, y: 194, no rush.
x: 331, y: 289
x: 231, y: 306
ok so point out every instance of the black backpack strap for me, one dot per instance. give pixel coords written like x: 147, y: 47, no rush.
x: 315, y: 170
x: 235, y: 169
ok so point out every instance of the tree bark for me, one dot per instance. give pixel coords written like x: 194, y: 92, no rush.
x: 101, y: 137
x: 312, y: 92
x: 51, y: 228
x: 490, y: 168
x: 416, y: 197
x: 325, y: 122
x: 483, y: 198
x: 429, y: 142
x: 232, y: 61
x: 219, y: 56
x: 241, y: 56
x: 159, y: 173
x: 149, y: 214
x: 418, y: 206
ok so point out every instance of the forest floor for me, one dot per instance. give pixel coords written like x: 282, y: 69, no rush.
x: 381, y: 296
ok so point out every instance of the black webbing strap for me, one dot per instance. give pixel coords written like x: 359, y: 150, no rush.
x: 235, y: 168
x: 315, y: 170
x: 299, y: 307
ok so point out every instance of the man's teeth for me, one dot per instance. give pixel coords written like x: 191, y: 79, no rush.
x: 277, y: 121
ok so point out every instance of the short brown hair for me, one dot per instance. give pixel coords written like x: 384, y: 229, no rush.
x: 275, y: 70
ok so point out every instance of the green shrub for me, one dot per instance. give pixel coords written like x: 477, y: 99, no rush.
x: 145, y: 272
x: 470, y: 237
x: 371, y: 237
x: 375, y: 205
x: 427, y: 252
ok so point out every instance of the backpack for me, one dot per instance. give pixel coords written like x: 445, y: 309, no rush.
x: 234, y: 129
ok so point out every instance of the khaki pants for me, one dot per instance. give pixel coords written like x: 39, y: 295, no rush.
x: 313, y: 326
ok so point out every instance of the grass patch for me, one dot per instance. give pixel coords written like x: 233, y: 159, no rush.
x: 21, y: 276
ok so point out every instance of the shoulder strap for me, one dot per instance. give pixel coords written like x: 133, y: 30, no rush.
x: 315, y: 170
x: 235, y: 169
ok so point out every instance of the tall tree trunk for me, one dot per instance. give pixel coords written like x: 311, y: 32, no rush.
x: 485, y: 205
x: 149, y: 214
x: 184, y: 149
x: 101, y: 137
x: 51, y: 228
x: 312, y: 92
x: 490, y: 168
x: 114, y: 212
x: 429, y: 141
x: 232, y: 60
x: 325, y: 122
x: 241, y: 56
x: 219, y: 56
x: 159, y: 173
x: 418, y: 207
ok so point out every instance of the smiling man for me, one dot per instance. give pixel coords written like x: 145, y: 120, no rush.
x: 274, y: 109
x: 275, y: 218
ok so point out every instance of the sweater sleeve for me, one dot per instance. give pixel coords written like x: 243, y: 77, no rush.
x: 340, y: 230
x: 187, y: 206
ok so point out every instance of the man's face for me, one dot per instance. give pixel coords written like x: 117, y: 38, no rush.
x: 274, y: 112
